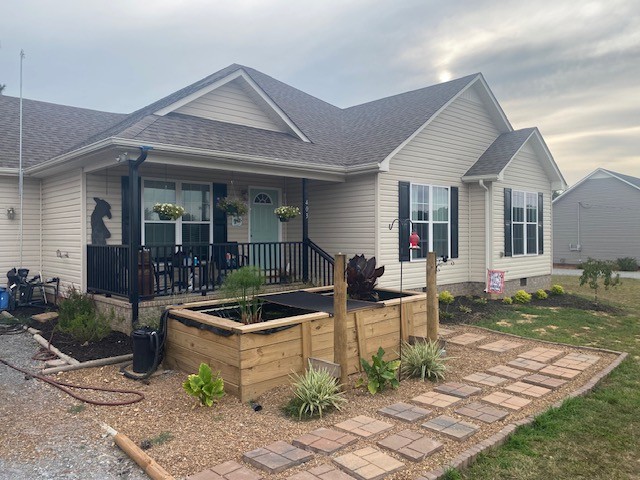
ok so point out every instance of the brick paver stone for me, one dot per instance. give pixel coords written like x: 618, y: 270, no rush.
x: 411, y: 445
x: 322, y: 472
x: 368, y: 464
x: 507, y: 372
x: 541, y: 354
x: 527, y: 389
x: 458, y: 389
x: 577, y: 361
x: 364, y: 426
x: 544, y: 381
x: 526, y: 364
x: 500, y: 346
x: 443, y: 332
x: 561, y: 372
x: 404, y: 412
x: 226, y: 471
x: 485, y: 379
x: 482, y: 412
x: 506, y: 400
x: 324, y: 440
x: 436, y: 399
x: 451, y: 427
x: 466, y: 339
x: 277, y: 457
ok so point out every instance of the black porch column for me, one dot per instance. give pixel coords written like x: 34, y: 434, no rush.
x: 305, y: 232
x: 134, y: 231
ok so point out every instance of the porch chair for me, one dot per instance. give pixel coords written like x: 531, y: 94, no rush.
x: 227, y: 258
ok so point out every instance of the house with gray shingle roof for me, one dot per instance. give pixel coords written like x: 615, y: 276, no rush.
x: 445, y: 157
x: 597, y: 218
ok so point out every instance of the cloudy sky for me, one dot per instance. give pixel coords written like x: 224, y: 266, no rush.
x: 572, y: 68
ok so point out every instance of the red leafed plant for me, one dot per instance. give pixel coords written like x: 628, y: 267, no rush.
x: 362, y: 278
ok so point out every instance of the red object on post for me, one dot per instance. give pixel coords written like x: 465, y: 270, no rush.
x: 414, y: 240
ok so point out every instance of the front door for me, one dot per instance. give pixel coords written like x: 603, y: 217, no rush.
x: 264, y: 226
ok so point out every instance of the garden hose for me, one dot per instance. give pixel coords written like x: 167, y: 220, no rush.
x: 66, y: 386
x: 10, y: 326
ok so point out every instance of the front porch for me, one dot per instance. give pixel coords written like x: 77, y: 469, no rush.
x: 169, y: 270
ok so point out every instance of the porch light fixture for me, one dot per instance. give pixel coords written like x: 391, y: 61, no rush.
x: 414, y: 240
x: 11, y: 213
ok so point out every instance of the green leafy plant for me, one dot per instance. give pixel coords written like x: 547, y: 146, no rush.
x: 445, y: 315
x: 159, y: 439
x: 315, y: 392
x: 380, y: 372
x: 522, y: 297
x: 480, y: 301
x: 557, y: 289
x: 452, y: 474
x: 78, y: 317
x: 507, y: 300
x: 627, y: 264
x: 423, y: 360
x: 243, y: 286
x: 286, y: 212
x: 541, y: 295
x: 205, y: 386
x: 445, y: 298
x: 595, y: 270
x: 168, y: 210
x: 362, y: 278
x: 233, y: 206
x: 464, y: 309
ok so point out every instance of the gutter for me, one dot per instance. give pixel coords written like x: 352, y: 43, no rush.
x: 9, y: 172
x: 488, y: 250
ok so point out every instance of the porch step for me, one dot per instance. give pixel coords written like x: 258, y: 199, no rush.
x: 45, y: 317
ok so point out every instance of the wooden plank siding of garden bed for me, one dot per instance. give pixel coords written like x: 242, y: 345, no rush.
x: 252, y: 363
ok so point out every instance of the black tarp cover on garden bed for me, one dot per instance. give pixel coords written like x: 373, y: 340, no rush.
x: 315, y: 301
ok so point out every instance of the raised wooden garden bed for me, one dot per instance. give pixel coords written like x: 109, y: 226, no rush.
x: 255, y: 358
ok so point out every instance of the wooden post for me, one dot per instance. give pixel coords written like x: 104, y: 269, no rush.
x: 340, y: 317
x: 432, y: 298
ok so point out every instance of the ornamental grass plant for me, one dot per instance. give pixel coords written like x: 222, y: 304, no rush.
x: 315, y: 392
x: 424, y: 360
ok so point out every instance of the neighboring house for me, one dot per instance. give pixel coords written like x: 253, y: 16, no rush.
x: 446, y: 156
x: 597, y: 218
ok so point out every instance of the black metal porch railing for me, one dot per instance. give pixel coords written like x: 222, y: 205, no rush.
x: 177, y: 269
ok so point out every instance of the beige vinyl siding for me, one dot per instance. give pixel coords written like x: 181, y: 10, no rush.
x: 342, y: 215
x: 476, y: 241
x: 106, y: 185
x: 234, y: 102
x: 10, y: 229
x: 524, y: 173
x: 439, y: 155
x: 602, y: 215
x: 62, y: 227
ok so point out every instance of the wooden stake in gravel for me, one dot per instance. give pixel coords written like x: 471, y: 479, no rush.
x: 432, y: 298
x: 148, y: 464
x: 88, y: 364
x: 340, y: 317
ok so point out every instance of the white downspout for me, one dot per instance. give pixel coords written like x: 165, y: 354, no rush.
x: 487, y: 229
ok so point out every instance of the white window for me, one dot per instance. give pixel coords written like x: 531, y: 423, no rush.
x: 192, y: 230
x: 524, y: 223
x: 430, y: 217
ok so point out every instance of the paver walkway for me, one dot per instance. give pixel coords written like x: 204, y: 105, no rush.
x: 466, y: 339
x: 322, y: 472
x: 527, y: 364
x: 507, y: 372
x: 506, y: 400
x: 561, y: 372
x: 577, y: 361
x: 226, y: 471
x: 436, y: 399
x: 325, y: 441
x: 364, y: 426
x: 451, y: 427
x: 527, y: 389
x: 482, y: 412
x: 485, y: 379
x: 500, y: 346
x: 458, y: 389
x: 544, y: 381
x: 368, y: 464
x: 277, y: 457
x: 411, y: 445
x: 404, y: 412
x: 541, y: 354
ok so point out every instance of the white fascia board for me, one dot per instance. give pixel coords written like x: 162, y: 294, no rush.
x: 477, y: 178
x: 67, y: 157
x: 240, y: 73
x: 362, y: 169
x: 499, y: 114
x: 9, y: 172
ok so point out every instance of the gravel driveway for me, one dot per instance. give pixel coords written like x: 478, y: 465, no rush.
x: 40, y: 436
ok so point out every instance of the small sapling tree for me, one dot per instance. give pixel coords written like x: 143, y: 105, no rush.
x: 593, y: 271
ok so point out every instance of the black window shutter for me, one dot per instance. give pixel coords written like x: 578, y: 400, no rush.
x: 454, y: 222
x: 540, y: 225
x: 404, y: 207
x: 508, y: 252
x: 124, y: 189
x: 219, y: 217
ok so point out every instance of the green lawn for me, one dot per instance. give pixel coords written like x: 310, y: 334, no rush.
x: 593, y: 437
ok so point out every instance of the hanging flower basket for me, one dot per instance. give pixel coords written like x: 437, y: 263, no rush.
x: 168, y: 211
x: 286, y: 212
x: 233, y: 206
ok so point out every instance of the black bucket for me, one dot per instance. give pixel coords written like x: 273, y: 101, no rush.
x: 145, y: 343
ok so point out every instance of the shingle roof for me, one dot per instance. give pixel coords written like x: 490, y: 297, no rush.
x: 48, y: 129
x: 633, y: 180
x: 358, y: 135
x: 500, y: 152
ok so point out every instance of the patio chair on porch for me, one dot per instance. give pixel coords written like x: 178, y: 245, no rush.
x: 227, y: 258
